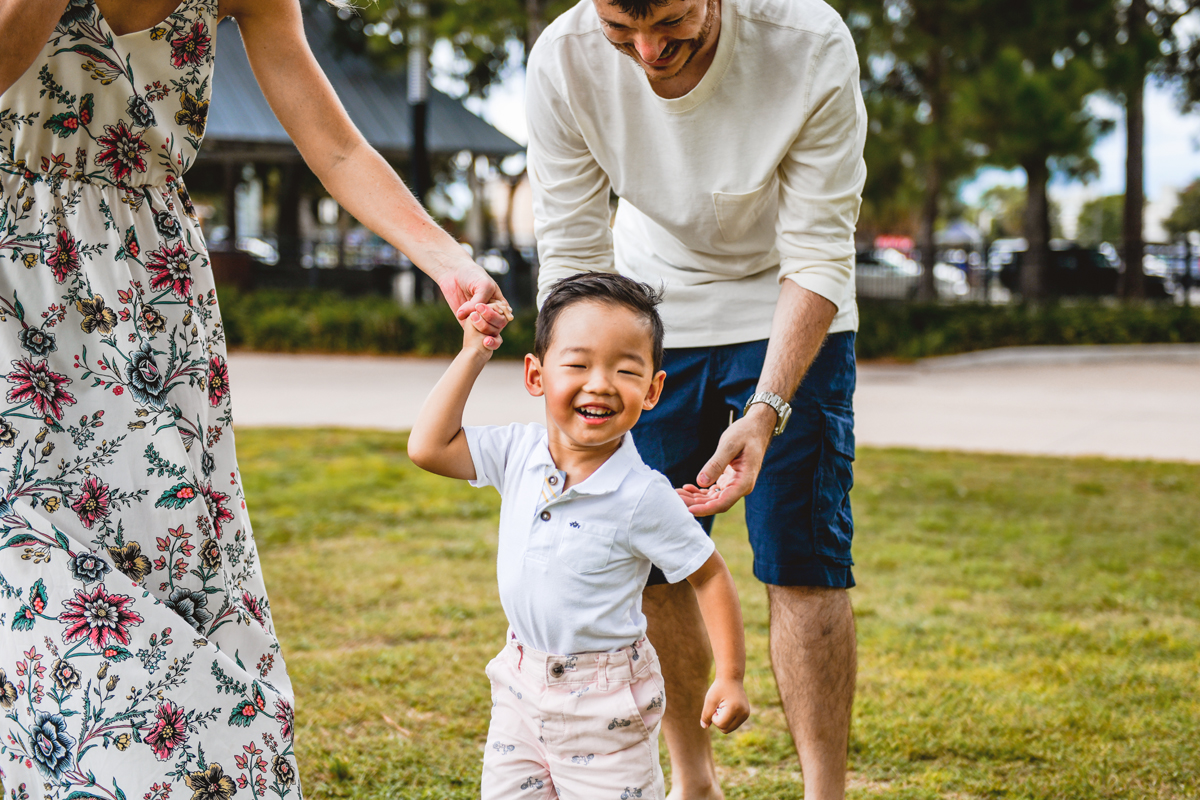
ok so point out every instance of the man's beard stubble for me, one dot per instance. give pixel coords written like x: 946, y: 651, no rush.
x: 696, y: 44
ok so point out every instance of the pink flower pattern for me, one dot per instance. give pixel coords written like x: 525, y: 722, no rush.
x: 34, y: 383
x: 98, y: 617
x: 169, y: 731
x: 123, y: 153
x: 64, y: 258
x: 170, y: 268
x: 92, y: 503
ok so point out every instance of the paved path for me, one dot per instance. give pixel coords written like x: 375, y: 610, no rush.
x: 1119, y: 402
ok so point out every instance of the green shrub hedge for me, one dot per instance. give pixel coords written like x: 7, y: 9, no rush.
x: 907, y: 331
x: 327, y: 322
x: 306, y: 321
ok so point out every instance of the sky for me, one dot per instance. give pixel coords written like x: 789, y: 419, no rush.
x: 1172, y: 154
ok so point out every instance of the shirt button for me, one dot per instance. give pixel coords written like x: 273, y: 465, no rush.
x: 553, y: 480
x: 557, y: 670
x: 545, y: 516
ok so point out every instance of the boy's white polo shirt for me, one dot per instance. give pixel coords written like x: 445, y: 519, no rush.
x: 571, y: 569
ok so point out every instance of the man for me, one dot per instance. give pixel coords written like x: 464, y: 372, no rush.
x: 732, y: 131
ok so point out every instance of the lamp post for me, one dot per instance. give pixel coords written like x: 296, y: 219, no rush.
x: 418, y: 102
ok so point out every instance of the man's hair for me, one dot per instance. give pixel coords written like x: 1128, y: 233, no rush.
x: 606, y: 288
x: 638, y: 9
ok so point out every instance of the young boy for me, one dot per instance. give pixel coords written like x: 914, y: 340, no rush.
x: 577, y: 695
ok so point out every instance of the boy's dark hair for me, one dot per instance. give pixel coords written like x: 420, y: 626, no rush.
x: 600, y: 287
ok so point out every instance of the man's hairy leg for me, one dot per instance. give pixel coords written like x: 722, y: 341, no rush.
x: 815, y: 658
x: 676, y: 629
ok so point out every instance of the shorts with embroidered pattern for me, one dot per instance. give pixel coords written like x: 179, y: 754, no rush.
x: 578, y: 727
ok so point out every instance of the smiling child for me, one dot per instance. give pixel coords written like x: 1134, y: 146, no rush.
x: 577, y: 695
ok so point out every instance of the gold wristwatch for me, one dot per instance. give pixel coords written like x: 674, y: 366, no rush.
x: 774, y: 401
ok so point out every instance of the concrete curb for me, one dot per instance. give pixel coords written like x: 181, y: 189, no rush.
x: 1066, y: 355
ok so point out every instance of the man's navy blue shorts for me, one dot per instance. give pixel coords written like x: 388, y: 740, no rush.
x: 799, y: 512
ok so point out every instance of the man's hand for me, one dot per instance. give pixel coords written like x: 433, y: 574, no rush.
x: 733, y: 470
x: 467, y: 286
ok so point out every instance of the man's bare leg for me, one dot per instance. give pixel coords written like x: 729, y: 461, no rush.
x: 815, y: 658
x: 676, y: 630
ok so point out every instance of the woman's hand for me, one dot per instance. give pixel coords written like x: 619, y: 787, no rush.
x: 470, y: 290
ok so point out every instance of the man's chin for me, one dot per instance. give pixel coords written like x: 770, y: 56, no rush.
x: 667, y: 71
x: 658, y: 75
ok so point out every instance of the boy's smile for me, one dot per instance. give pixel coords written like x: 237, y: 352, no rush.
x: 597, y: 377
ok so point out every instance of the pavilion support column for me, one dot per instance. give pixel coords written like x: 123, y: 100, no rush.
x: 287, y: 227
x: 476, y: 219
x: 231, y: 184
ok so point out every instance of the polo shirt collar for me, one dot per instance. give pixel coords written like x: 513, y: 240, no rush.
x: 604, y: 480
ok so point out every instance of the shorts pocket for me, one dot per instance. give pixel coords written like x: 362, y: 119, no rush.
x: 738, y: 213
x: 585, y: 547
x: 832, y: 521
x: 650, y: 697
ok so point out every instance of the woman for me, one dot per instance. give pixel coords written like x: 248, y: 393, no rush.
x: 138, y: 657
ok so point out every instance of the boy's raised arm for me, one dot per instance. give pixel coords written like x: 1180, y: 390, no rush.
x: 437, y: 442
x: 726, y: 705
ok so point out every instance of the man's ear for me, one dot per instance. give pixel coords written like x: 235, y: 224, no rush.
x: 655, y: 391
x: 533, y: 375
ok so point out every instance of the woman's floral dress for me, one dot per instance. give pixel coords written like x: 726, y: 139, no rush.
x: 137, y: 655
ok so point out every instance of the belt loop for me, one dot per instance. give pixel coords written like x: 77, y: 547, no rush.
x: 602, y: 672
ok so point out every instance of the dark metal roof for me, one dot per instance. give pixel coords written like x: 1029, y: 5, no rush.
x: 240, y: 120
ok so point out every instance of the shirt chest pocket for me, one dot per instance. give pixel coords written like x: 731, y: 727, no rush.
x: 743, y: 213
x: 586, y: 547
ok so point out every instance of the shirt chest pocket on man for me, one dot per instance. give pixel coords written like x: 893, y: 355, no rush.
x: 586, y: 547
x: 747, y: 214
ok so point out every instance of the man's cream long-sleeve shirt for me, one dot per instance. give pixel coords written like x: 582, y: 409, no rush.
x: 754, y: 176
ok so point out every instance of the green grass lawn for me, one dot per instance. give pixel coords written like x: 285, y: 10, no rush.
x: 1028, y: 627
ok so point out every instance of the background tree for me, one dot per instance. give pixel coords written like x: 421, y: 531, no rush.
x: 1101, y: 220
x: 916, y: 57
x: 488, y: 37
x: 1031, y: 108
x: 1000, y: 213
x: 1186, y: 216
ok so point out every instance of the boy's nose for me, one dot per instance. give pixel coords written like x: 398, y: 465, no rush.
x: 599, y: 382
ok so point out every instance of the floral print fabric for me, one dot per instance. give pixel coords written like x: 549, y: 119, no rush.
x: 137, y: 654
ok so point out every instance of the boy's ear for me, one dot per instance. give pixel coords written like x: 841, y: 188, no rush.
x: 533, y: 375
x: 655, y: 391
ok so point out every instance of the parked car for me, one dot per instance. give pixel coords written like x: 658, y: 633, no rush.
x: 1073, y: 271
x: 889, y: 274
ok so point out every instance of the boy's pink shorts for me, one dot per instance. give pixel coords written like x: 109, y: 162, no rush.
x: 582, y: 726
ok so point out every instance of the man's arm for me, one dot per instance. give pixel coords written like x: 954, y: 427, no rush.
x: 801, y: 321
x: 570, y: 190
x: 821, y: 180
x: 725, y: 705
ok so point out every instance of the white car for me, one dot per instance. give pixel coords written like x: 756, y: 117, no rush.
x: 889, y: 274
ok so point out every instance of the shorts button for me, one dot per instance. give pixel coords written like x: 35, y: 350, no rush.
x: 545, y: 515
x: 553, y: 480
x: 557, y: 670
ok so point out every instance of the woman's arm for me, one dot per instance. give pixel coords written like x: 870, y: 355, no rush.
x: 25, y: 26
x: 353, y: 172
x: 725, y: 705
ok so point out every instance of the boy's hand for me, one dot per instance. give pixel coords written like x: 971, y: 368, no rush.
x: 725, y: 706
x: 475, y: 325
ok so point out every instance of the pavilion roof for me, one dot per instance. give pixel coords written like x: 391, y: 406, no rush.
x: 242, y: 125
